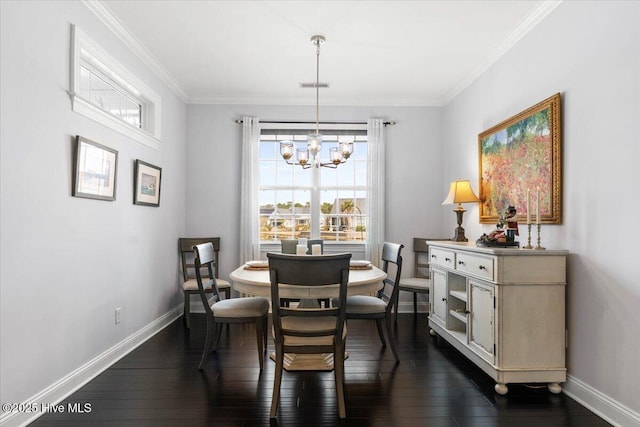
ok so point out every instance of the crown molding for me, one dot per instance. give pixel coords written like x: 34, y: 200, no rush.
x: 512, y: 39
x: 109, y: 19
x: 113, y: 23
x: 345, y: 102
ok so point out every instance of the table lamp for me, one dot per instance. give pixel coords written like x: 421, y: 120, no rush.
x: 460, y: 192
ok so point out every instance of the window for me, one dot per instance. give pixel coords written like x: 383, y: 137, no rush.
x: 106, y: 92
x: 325, y: 202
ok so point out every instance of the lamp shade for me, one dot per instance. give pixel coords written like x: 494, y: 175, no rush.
x: 460, y: 192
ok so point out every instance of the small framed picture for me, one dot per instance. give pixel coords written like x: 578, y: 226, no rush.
x: 95, y: 169
x: 146, y: 185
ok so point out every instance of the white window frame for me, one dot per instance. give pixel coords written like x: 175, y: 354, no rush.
x: 356, y: 247
x: 84, y: 48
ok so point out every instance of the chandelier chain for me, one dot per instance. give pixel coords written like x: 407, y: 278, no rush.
x: 317, y: 41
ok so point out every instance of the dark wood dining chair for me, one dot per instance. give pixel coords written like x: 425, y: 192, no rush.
x: 319, y: 330
x: 420, y: 282
x: 189, y: 283
x: 288, y: 246
x: 380, y: 307
x: 234, y: 310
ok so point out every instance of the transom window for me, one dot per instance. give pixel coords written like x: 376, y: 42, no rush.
x: 105, y: 91
x: 324, y: 202
x: 105, y: 94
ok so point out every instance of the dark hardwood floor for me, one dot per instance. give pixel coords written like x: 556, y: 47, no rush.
x: 159, y: 385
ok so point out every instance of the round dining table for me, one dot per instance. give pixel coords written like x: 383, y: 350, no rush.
x: 255, y: 281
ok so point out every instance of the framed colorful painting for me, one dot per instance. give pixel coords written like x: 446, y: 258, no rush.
x: 521, y: 156
x: 146, y: 185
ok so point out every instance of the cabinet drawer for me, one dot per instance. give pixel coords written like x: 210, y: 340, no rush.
x: 475, y: 265
x: 442, y: 257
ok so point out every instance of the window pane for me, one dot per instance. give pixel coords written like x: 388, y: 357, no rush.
x: 286, y: 191
x: 134, y: 115
x: 360, y: 173
x: 105, y: 94
x: 284, y: 173
x: 85, y: 83
x: 359, y: 150
x: 267, y: 150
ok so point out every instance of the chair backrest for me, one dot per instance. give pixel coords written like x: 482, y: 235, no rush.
x: 308, y: 271
x: 421, y: 255
x: 204, y: 259
x: 392, y: 265
x: 185, y: 246
x: 310, y: 244
x: 288, y: 246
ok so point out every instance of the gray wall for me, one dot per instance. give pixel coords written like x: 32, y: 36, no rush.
x: 414, y: 170
x: 589, y: 51
x: 56, y: 312
x: 67, y: 262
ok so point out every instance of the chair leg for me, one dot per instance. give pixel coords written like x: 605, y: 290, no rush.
x: 338, y: 367
x: 207, y: 342
x: 277, y: 380
x: 392, y: 341
x: 218, y: 335
x: 266, y: 331
x: 415, y: 303
x: 187, y: 310
x: 380, y: 333
x: 227, y: 293
x: 395, y: 312
x: 260, y: 335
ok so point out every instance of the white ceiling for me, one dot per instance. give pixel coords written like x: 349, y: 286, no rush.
x: 376, y: 53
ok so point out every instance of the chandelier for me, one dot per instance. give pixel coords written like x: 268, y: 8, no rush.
x: 310, y: 156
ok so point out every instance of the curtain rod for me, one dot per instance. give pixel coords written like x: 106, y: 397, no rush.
x: 390, y: 123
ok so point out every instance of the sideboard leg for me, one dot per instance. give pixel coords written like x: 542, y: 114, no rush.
x: 432, y: 332
x: 501, y: 389
x: 555, y: 388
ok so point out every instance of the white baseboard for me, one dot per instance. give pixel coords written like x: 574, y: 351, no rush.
x: 61, y: 389
x: 600, y: 404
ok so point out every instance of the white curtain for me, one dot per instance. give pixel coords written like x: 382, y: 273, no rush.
x: 376, y: 190
x: 249, y: 209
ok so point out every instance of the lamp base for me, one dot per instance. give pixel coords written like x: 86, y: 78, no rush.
x: 459, y: 236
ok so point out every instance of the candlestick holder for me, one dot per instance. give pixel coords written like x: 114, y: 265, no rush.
x: 528, y: 238
x: 539, y: 247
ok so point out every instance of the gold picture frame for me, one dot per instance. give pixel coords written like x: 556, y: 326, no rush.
x: 521, y: 157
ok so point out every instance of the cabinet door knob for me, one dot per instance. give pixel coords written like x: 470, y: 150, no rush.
x: 444, y: 299
x: 460, y: 262
x: 482, y: 267
x: 447, y: 259
x: 467, y: 312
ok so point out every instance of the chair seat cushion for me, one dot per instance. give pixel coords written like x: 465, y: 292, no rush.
x: 362, y: 304
x: 192, y: 284
x: 241, y: 307
x: 310, y: 324
x: 417, y: 283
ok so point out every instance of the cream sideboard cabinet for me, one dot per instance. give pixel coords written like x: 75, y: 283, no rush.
x: 503, y: 308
